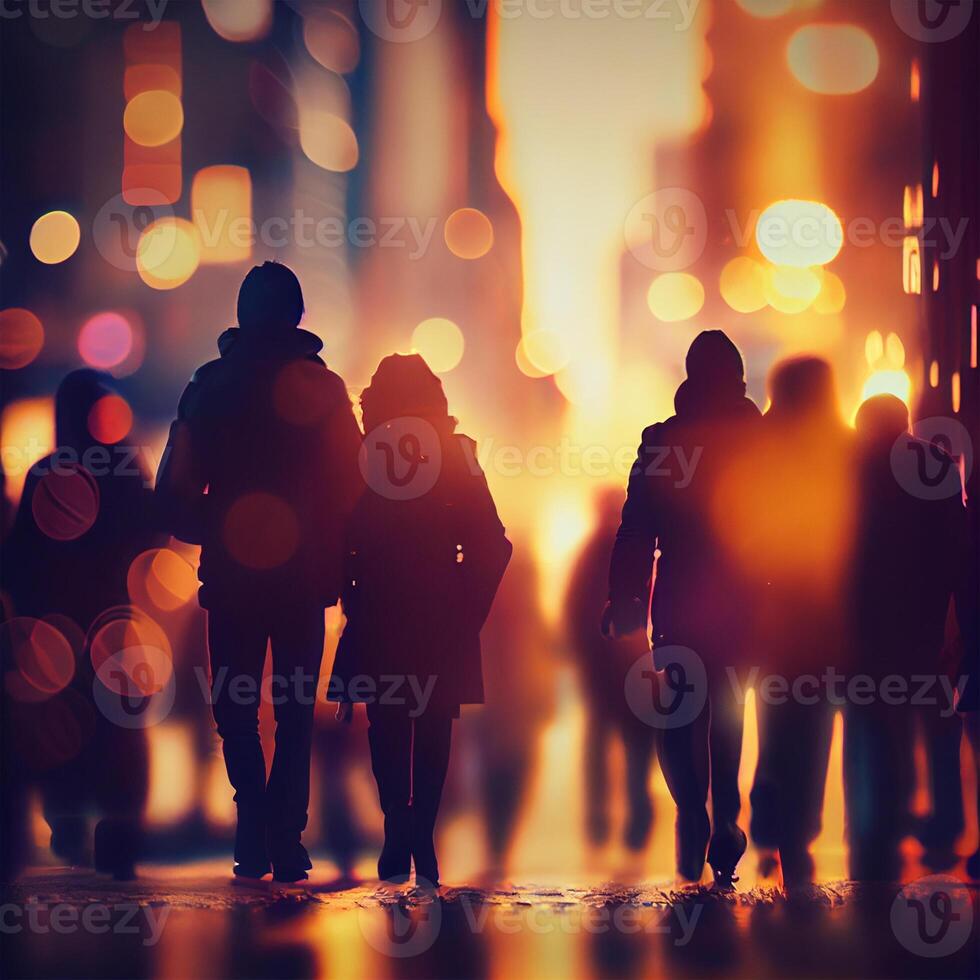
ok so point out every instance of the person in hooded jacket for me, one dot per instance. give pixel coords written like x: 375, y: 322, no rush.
x: 261, y: 470
x: 426, y: 553
x: 86, y: 511
x: 701, y: 627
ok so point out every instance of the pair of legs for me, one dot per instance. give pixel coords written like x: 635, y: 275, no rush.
x: 638, y: 742
x: 410, y: 759
x: 272, y: 813
x: 941, y: 738
x: 787, y: 792
x: 705, y: 754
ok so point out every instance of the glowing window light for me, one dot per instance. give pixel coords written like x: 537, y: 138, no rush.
x: 110, y: 419
x: 833, y: 59
x: 138, y: 79
x: 912, y: 206
x: 544, y: 351
x: 26, y: 434
x: 328, y: 141
x: 874, y: 347
x: 832, y: 296
x: 675, y: 296
x: 239, y: 20
x: 468, y: 233
x: 221, y: 207
x: 55, y: 237
x: 934, y: 374
x: 894, y: 350
x: 935, y: 179
x: 153, y: 118
x: 331, y: 40
x: 915, y: 80
x: 743, y: 284
x: 954, y: 390
x: 168, y: 253
x: 973, y: 336
x: 21, y: 338
x: 911, y: 266
x: 791, y: 290
x: 440, y: 342
x: 935, y: 276
x: 896, y: 383
x: 799, y: 233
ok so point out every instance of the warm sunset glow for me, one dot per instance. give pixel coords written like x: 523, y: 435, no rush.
x: 55, y: 237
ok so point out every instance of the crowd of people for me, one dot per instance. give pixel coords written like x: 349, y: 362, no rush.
x: 785, y: 555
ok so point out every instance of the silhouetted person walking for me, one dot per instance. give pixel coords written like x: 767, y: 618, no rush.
x: 261, y: 470
x: 910, y: 561
x: 427, y: 552
x: 85, y: 514
x: 676, y: 504
x: 802, y: 527
x: 603, y: 664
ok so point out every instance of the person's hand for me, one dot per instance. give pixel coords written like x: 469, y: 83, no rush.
x: 345, y: 712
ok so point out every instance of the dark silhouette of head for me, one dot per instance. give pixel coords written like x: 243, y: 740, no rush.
x: 713, y: 361
x: 404, y: 386
x: 802, y: 389
x: 881, y: 420
x: 270, y: 299
x: 73, y: 402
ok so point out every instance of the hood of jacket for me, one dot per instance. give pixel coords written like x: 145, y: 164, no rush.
x: 281, y: 343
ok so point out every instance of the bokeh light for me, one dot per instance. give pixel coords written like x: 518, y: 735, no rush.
x: 221, y: 208
x: 153, y: 118
x: 55, y: 237
x: 792, y: 290
x: 21, y: 338
x: 774, y: 8
x: 799, y: 233
x: 168, y: 253
x: 105, y: 340
x: 239, y: 20
x: 331, y: 40
x: 327, y: 140
x: 874, y: 347
x: 894, y: 350
x: 162, y: 578
x: 110, y: 419
x: 468, y: 233
x: 26, y: 434
x: 833, y: 59
x: 440, y: 342
x: 130, y: 652
x: 65, y: 502
x: 543, y: 351
x: 832, y: 295
x: 43, y: 657
x: 743, y: 284
x: 675, y: 296
x: 261, y: 531
x: 888, y: 382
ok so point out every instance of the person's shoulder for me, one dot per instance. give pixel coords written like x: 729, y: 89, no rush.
x: 653, y: 434
x: 206, y: 372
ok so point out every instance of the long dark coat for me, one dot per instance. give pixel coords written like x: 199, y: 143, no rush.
x: 420, y: 580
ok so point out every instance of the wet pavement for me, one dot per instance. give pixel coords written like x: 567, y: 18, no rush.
x: 192, y: 921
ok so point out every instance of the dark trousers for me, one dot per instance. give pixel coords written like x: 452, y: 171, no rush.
x: 271, y: 815
x: 410, y: 759
x: 787, y: 792
x: 941, y: 738
x: 879, y: 773
x: 705, y: 753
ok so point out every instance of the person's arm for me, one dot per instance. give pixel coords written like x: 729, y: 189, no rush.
x: 182, y: 476
x: 631, y: 566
